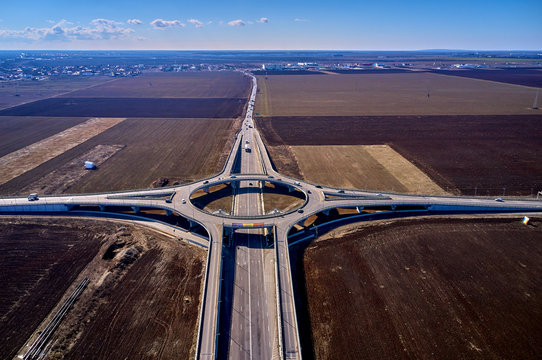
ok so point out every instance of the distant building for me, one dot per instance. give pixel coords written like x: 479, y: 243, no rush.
x: 272, y: 67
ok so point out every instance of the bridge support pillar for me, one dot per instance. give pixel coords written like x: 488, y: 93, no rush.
x: 291, y: 188
x: 136, y: 209
x: 206, y: 189
x: 326, y: 212
x: 168, y: 212
x: 234, y: 184
x: 359, y: 209
x: 393, y: 207
x: 102, y: 207
x: 68, y: 207
x: 192, y: 224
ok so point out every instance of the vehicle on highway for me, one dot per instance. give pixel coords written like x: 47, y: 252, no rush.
x: 319, y: 186
x: 300, y: 211
x: 206, y: 182
x: 341, y: 191
x: 297, y: 183
x: 499, y: 200
x: 183, y: 201
x: 33, y: 197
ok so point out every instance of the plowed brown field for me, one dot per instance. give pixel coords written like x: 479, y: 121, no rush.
x: 486, y: 154
x: 184, y: 149
x: 425, y: 289
x: 142, y: 300
x: 38, y: 262
x: 224, y: 84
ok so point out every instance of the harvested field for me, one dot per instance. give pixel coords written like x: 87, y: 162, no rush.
x: 62, y: 178
x: 31, y: 156
x: 370, y: 167
x: 18, y: 132
x: 18, y: 92
x: 185, y: 149
x: 526, y: 77
x: 424, y: 289
x: 388, y: 94
x: 131, y: 107
x: 492, y: 154
x: 38, y: 262
x: 223, y: 84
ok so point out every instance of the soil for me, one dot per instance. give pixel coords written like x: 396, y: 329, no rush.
x: 526, y: 77
x: 132, y: 270
x: 60, y: 180
x: 19, y: 132
x: 186, y: 149
x: 423, y: 289
x: 379, y: 94
x: 215, y: 84
x: 488, y: 155
x: 33, y: 155
x: 18, y: 92
x: 39, y: 259
x: 131, y: 107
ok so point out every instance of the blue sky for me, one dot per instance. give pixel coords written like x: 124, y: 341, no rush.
x: 272, y: 24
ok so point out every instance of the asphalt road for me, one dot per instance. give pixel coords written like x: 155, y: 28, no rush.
x: 252, y: 327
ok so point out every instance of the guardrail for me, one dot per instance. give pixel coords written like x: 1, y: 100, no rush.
x: 277, y: 289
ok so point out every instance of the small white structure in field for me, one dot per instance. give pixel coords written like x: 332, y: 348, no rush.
x: 89, y: 165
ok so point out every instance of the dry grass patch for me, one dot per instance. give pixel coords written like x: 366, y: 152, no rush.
x: 370, y: 167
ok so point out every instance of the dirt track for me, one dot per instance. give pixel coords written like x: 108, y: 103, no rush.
x: 426, y: 289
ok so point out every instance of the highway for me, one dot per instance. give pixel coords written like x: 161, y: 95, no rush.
x: 248, y: 308
x: 252, y: 327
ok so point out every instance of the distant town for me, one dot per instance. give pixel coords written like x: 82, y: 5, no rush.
x: 38, y: 66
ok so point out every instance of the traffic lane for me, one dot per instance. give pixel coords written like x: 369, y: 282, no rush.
x: 289, y: 320
x: 210, y: 313
x: 262, y: 340
x: 241, y: 327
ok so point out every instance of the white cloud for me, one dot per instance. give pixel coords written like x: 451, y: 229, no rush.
x: 195, y: 22
x: 263, y: 20
x: 63, y: 31
x: 134, y: 21
x: 164, y: 24
x: 237, y: 22
x: 300, y: 20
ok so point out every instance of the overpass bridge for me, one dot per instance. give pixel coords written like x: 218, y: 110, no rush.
x: 248, y: 231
